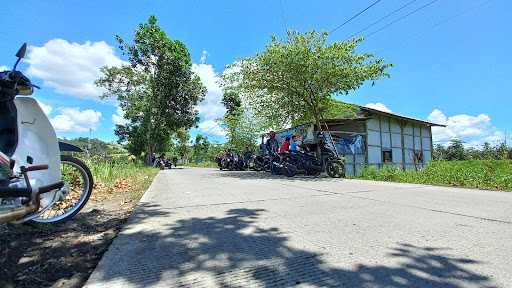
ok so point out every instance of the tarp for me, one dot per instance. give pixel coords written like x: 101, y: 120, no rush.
x: 304, y: 133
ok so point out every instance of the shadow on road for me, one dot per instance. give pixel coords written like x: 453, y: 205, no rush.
x: 234, y: 251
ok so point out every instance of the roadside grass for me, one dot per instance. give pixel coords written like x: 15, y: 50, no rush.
x: 115, y: 176
x: 482, y: 174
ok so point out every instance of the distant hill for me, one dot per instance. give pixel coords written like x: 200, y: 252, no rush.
x: 96, y: 146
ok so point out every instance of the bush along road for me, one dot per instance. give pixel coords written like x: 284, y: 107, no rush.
x: 481, y: 174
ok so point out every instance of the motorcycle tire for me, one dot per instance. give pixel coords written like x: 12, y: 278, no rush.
x: 258, y: 167
x: 313, y: 172
x: 335, y: 169
x: 289, y: 170
x: 89, y: 182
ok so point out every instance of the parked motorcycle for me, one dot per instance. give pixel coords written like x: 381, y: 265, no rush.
x: 279, y: 166
x: 239, y: 164
x: 36, y: 183
x: 304, y: 163
x: 227, y: 162
x: 162, y: 162
x: 308, y: 164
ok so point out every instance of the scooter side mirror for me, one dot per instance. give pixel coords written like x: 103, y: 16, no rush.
x: 22, y: 51
x: 20, y: 54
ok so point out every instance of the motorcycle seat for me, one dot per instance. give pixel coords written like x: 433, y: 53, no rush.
x: 8, y: 128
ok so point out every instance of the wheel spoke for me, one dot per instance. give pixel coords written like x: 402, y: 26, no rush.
x: 79, y: 184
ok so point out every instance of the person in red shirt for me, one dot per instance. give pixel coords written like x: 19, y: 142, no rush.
x: 285, y: 146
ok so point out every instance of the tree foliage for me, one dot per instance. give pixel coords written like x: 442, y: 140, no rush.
x: 158, y: 91
x: 241, y: 125
x: 200, y: 148
x: 455, y: 150
x: 294, y: 80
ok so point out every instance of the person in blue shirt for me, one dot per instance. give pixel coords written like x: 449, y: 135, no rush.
x: 293, y: 144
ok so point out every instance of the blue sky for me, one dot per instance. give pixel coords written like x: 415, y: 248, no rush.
x: 451, y: 59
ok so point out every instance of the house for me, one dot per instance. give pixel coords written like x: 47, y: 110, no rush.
x: 374, y: 138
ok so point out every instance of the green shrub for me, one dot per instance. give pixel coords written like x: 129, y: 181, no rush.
x: 483, y: 174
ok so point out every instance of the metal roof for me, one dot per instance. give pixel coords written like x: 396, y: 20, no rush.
x: 374, y: 111
x: 392, y: 115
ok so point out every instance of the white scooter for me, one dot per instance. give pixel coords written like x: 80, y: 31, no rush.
x: 36, y: 182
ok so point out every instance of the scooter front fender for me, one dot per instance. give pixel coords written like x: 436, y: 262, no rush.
x: 37, y: 145
x: 66, y: 147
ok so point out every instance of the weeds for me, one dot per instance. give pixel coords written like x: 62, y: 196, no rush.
x: 110, y: 170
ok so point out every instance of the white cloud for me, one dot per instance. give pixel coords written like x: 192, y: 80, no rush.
x: 4, y: 68
x: 71, y: 68
x: 47, y: 109
x: 204, y: 55
x: 211, y: 127
x: 473, y: 130
x: 118, y: 117
x: 378, y: 106
x: 211, y: 108
x: 73, y: 119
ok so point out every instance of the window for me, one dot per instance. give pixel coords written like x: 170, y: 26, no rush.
x: 387, y: 156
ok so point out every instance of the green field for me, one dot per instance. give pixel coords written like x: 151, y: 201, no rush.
x: 483, y: 174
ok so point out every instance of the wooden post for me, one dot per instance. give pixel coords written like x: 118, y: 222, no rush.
x: 381, y: 164
x: 366, y: 163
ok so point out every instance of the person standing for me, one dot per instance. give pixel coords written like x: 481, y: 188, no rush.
x: 272, y: 144
x: 272, y: 149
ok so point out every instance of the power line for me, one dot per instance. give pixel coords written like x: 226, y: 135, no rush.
x: 354, y: 17
x: 382, y: 18
x: 448, y: 19
x: 463, y: 12
x: 401, y: 18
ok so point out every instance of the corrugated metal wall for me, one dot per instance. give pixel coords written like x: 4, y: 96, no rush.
x: 401, y: 138
x: 354, y: 162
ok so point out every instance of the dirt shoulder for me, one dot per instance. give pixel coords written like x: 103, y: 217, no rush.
x: 64, y: 255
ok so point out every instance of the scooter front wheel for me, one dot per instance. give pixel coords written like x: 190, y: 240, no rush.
x: 79, y: 181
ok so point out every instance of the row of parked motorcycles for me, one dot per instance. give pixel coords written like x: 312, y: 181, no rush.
x: 290, y: 163
x: 234, y: 161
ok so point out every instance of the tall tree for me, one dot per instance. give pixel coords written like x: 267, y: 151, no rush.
x: 200, y: 148
x: 294, y: 80
x: 158, y: 91
x: 182, y: 138
x: 455, y: 150
x: 242, y: 127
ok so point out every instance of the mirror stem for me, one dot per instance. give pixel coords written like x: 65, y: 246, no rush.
x: 16, y: 64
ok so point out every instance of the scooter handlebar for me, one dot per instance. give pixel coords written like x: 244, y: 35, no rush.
x: 35, y: 168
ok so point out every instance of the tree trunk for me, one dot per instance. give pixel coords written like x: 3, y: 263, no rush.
x: 149, y: 149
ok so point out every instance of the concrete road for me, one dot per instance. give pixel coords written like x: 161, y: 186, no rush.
x: 207, y: 228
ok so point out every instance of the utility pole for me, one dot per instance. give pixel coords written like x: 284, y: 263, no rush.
x: 89, y: 145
